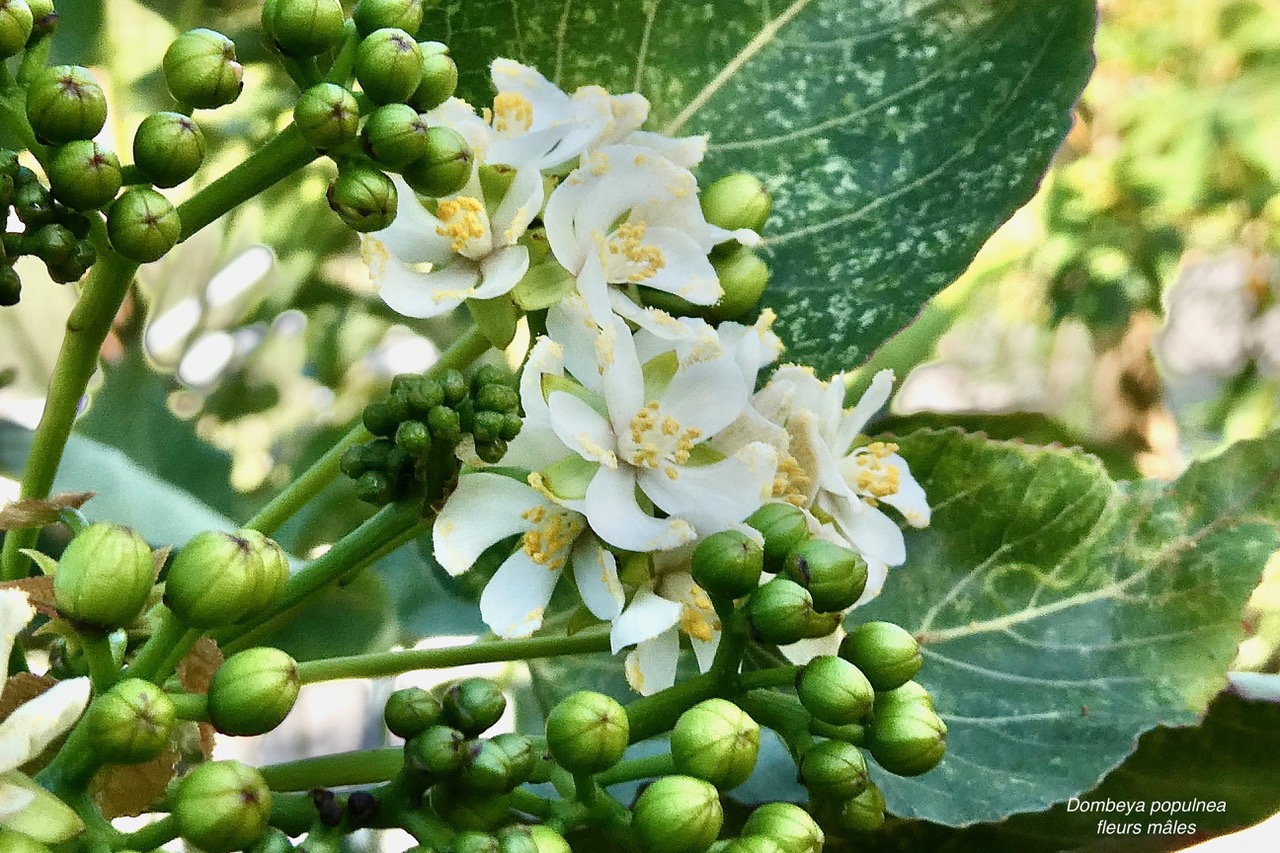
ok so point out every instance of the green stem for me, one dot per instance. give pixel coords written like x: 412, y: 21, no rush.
x: 285, y: 154
x: 170, y: 663
x: 784, y: 714
x: 148, y: 662
x: 331, y: 771
x: 530, y: 803
x: 340, y: 72
x: 653, y: 715
x: 103, y: 671
x: 637, y: 768
x: 778, y: 676
x: 70, y: 770
x: 489, y: 651
x: 190, y: 706
x: 324, y: 470
x: 733, y: 644
x: 153, y: 835
x: 292, y: 813
x: 87, y: 327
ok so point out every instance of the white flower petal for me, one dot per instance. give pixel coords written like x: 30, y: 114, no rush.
x: 518, y: 207
x: 570, y: 325
x: 13, y: 799
x: 558, y: 219
x: 39, y: 722
x: 616, y: 518
x: 458, y: 115
x: 622, y: 376
x: 582, y: 428
x: 707, y: 396
x: 596, y: 573
x: 872, y: 401
x: 806, y: 650
x: 412, y: 236
x: 869, y: 530
x: 715, y: 497
x: 501, y: 271
x: 483, y: 510
x: 647, y: 616
x: 685, y: 151
x: 877, y: 574
x: 686, y: 270
x: 516, y: 597
x: 15, y: 613
x: 417, y: 294
x: 655, y: 322
x: 651, y: 668
x: 910, y: 498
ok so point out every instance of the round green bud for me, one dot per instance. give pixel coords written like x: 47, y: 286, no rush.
x: 364, y: 198
x: 473, y: 705
x: 84, y: 175
x: 380, y: 420
x: 469, y: 810
x: 717, y: 741
x: 728, y: 564
x: 454, y: 386
x: 445, y: 168
x: 131, y: 722
x: 511, y: 425
x: 389, y: 65
x: 487, y: 427
x: 439, y: 77
x: 168, y: 148
x: 737, y: 201
x: 887, y: 654
x: 788, y: 826
x: 409, y: 712
x: 835, y: 691
x: 373, y: 15
x: 275, y: 841
x: 414, y: 438
x: 304, y: 27
x: 201, y: 71
x: 834, y: 576
x: 864, y: 812
x: 253, y: 691
x: 104, y: 577
x: 222, y: 806
x: 45, y: 19
x: 220, y: 578
x: 587, y: 732
x: 65, y: 103
x: 423, y: 397
x: 327, y: 115
x: 517, y: 839
x: 475, y: 842
x: 498, y: 765
x: 31, y: 201
x: 743, y: 276
x: 375, y: 487
x: 143, y: 225
x: 910, y: 693
x: 437, y: 752
x: 781, y: 612
x: 445, y: 424
x: 834, y: 769
x: 908, y: 740
x: 395, y: 135
x: 752, y: 844
x: 10, y: 286
x: 677, y: 814
x: 72, y: 266
x: 783, y: 527
x: 16, y: 22
x: 275, y: 568
x: 548, y: 840
x: 494, y: 397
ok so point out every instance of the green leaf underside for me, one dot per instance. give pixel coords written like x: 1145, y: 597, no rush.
x: 895, y: 136
x: 1062, y: 614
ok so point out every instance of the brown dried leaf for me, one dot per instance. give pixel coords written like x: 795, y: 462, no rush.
x: 21, y: 688
x: 128, y: 790
x: 34, y: 512
x: 197, y: 668
x: 39, y: 592
x: 158, y: 558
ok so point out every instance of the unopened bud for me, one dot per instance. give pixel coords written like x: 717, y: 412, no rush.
x: 84, y: 175
x: 887, y: 654
x: 787, y: 825
x: 395, y: 135
x: 677, y: 814
x: 835, y: 576
x: 743, y: 277
x: 445, y: 168
x: 16, y: 22
x: 783, y: 527
x: 143, y: 225
x: 717, y: 741
x: 131, y: 722
x: 439, y: 77
x: 371, y: 15
x: 327, y: 115
x: 304, y: 28
x: 389, y: 65
x: 473, y: 706
x: 222, y: 806
x: 737, y: 201
x: 835, y: 691
x: 168, y: 148
x: 65, y: 103
x: 253, y: 691
x: 781, y: 612
x: 587, y: 732
x: 410, y: 712
x: 201, y: 70
x: 364, y: 198
x: 908, y: 740
x: 104, y: 577
x: 834, y: 770
x: 437, y: 752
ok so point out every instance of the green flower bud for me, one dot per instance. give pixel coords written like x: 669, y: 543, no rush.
x: 835, y: 691
x: 737, y: 201
x: 16, y: 22
x: 864, y: 812
x: 475, y: 842
x: 834, y: 769
x: 104, y: 577
x: 10, y: 286
x: 887, y: 654
x: 84, y: 175
x: 834, y: 576
x: 908, y: 740
x: 455, y: 387
x: 253, y: 691
x: 752, y: 844
x: 168, y: 148
x: 16, y: 842
x: 52, y: 244
x: 511, y: 425
x: 438, y: 752
x: 65, y: 103
x: 473, y: 705
x: 910, y: 693
x: 275, y: 841
x: 717, y: 741
x: 445, y: 424
x: 373, y: 15
x: 439, y: 77
x: 788, y: 826
x: 364, y: 198
x: 389, y: 65
x: 548, y: 840
x: 304, y: 27
x: 375, y: 487
x: 728, y: 564
x: 131, y: 722
x: 275, y: 568
x: 327, y: 115
x: 781, y: 612
x: 498, y: 765
x: 497, y: 398
x: 32, y: 202
x: 45, y: 19
x: 783, y: 527
x: 73, y: 267
x: 423, y: 397
x: 409, y: 712
x: 587, y: 732
x: 517, y: 839
x: 487, y: 427
x: 468, y: 810
x: 491, y: 452
x: 220, y: 578
x: 222, y: 806
x: 445, y: 168
x: 143, y: 225
x: 743, y: 277
x: 201, y: 71
x: 414, y: 438
x: 677, y: 814
x: 395, y: 135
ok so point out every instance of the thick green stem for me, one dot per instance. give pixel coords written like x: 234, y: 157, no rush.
x: 292, y: 813
x: 490, y: 651
x: 70, y: 770
x: 278, y: 159
x: 331, y: 771
x: 632, y: 769
x: 324, y: 470
x: 655, y: 714
x: 153, y: 835
x: 190, y: 706
x: 149, y: 661
x: 102, y: 666
x: 87, y: 327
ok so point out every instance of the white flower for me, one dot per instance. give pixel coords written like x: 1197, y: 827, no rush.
x: 659, y: 612
x: 629, y: 216
x: 487, y: 508
x: 28, y: 731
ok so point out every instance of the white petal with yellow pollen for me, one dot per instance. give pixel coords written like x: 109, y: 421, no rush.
x: 483, y: 510
x: 582, y: 429
x: 460, y: 116
x: 698, y: 618
x: 412, y: 236
x: 870, y: 531
x: 596, y: 571
x: 570, y: 325
x: 909, y: 499
x: 501, y: 271
x: 651, y: 667
x: 647, y: 616
x: 664, y: 259
x: 518, y: 207
x: 39, y: 722
x: 685, y: 151
x: 427, y: 294
x: 872, y: 401
x: 516, y: 597
x: 616, y: 518
x: 717, y: 496
x: 705, y: 397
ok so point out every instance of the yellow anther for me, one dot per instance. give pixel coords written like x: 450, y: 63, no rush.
x: 460, y: 221
x: 645, y: 258
x: 791, y: 481
x: 548, y: 543
x: 511, y: 112
x: 696, y: 624
x: 876, y: 478
x: 670, y: 426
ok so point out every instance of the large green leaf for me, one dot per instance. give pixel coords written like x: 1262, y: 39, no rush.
x: 1062, y: 614
x: 896, y: 136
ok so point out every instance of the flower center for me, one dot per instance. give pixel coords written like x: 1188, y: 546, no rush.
x: 512, y: 112
x: 698, y: 617
x: 791, y: 482
x: 461, y: 221
x: 548, y: 543
x: 658, y: 441
x: 876, y: 478
x: 629, y: 257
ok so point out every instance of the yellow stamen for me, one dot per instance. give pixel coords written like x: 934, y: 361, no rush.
x: 512, y: 112
x: 460, y: 221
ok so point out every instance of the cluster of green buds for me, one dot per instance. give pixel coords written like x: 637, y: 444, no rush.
x: 419, y: 426
x: 377, y: 126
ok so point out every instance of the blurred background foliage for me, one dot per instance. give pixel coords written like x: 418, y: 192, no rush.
x: 250, y: 349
